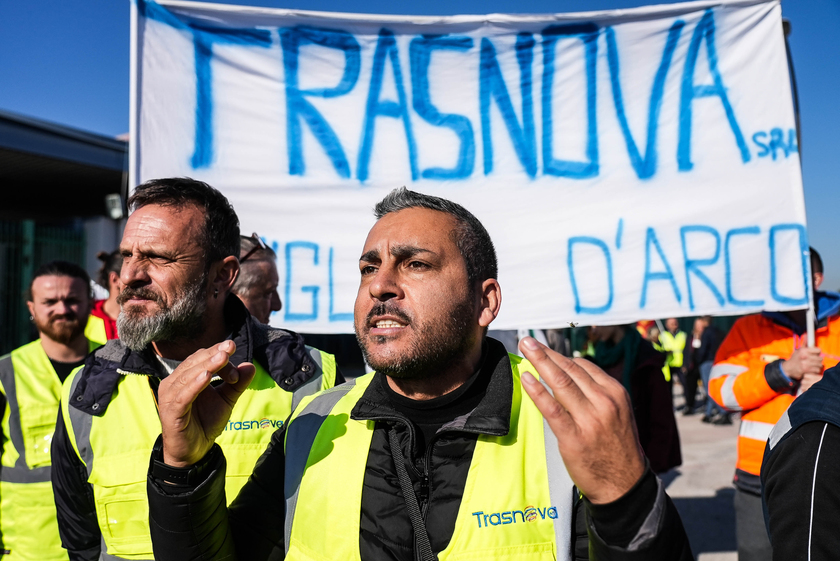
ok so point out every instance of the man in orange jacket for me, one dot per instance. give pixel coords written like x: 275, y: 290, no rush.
x: 761, y: 366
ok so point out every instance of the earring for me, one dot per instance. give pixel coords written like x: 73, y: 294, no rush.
x: 216, y: 293
x: 31, y: 318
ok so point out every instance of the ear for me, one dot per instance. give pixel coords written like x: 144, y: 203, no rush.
x: 818, y: 279
x: 31, y: 306
x: 113, y: 279
x: 223, y: 275
x: 491, y: 302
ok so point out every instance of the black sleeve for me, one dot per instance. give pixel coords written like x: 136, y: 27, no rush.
x: 642, y: 525
x: 191, y: 521
x: 74, y: 505
x: 776, y: 379
x: 257, y: 515
x: 580, y: 546
x: 801, y: 493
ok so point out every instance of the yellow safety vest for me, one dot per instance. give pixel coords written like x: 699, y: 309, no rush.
x: 675, y: 345
x: 95, y: 330
x: 27, y: 508
x: 517, y: 500
x: 116, y: 446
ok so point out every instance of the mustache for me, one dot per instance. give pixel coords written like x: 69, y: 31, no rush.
x: 142, y: 293
x: 68, y: 316
x: 387, y: 309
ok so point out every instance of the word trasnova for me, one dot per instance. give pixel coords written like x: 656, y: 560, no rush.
x: 414, y: 84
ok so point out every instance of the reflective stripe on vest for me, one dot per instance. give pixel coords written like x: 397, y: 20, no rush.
x: 530, y: 514
x: 27, y: 508
x: 115, y: 449
x: 755, y: 430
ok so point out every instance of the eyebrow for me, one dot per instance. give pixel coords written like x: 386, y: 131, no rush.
x: 399, y: 251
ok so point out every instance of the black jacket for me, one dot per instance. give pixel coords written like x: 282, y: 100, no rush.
x: 283, y: 354
x: 800, y: 478
x: 191, y: 522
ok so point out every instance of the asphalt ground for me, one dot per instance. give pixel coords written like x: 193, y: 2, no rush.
x: 701, y: 487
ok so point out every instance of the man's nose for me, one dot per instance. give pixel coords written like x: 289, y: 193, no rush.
x: 276, y: 303
x: 386, y: 284
x: 133, y: 272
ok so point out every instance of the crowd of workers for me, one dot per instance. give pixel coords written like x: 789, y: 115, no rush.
x: 170, y: 421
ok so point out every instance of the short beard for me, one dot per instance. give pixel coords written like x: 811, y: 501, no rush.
x: 183, y: 320
x: 433, y: 349
x: 65, y: 333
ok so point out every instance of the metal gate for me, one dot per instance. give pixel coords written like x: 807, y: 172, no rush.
x: 24, y: 246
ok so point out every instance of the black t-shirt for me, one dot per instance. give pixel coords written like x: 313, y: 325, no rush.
x: 428, y: 416
x: 63, y: 369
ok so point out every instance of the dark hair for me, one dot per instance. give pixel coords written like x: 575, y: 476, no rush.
x: 111, y: 263
x: 221, y: 225
x: 816, y: 261
x: 60, y: 269
x: 469, y: 236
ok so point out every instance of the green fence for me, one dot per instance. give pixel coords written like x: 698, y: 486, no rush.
x: 24, y: 246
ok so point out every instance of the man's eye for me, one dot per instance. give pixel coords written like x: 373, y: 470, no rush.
x: 417, y: 265
x: 368, y: 270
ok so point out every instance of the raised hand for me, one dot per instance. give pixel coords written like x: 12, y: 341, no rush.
x: 591, y: 415
x: 192, y: 412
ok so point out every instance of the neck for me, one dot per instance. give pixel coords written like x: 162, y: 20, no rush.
x: 179, y: 349
x: 436, y: 384
x: 111, y: 307
x: 618, y: 336
x: 75, y: 351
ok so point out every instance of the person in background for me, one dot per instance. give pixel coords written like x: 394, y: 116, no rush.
x: 102, y: 323
x: 623, y: 353
x: 673, y: 341
x: 30, y: 390
x: 691, y: 367
x: 761, y: 366
x: 704, y: 357
x: 258, y: 278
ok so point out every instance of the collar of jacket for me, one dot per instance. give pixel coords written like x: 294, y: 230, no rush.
x: 491, y: 416
x: 826, y: 305
x: 283, y: 354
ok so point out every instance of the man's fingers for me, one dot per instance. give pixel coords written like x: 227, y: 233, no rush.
x: 231, y: 391
x: 566, y: 378
x: 557, y: 416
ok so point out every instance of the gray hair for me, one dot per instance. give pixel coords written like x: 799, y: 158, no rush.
x: 248, y: 275
x: 469, y: 236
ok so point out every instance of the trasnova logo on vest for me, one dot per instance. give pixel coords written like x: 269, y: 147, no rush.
x: 263, y: 424
x: 528, y: 514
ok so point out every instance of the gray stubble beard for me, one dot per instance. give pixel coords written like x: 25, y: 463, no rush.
x: 183, y: 320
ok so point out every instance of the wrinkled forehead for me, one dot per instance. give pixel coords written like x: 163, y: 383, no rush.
x: 165, y: 225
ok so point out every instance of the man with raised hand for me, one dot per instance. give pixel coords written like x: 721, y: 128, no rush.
x: 59, y: 302
x: 440, y: 453
x: 180, y: 254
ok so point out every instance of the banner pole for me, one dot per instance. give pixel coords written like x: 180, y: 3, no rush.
x: 810, y: 314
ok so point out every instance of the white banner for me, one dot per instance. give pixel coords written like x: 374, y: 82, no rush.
x: 628, y: 164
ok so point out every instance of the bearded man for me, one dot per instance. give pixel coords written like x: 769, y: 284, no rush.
x: 59, y: 302
x: 441, y: 454
x: 180, y: 259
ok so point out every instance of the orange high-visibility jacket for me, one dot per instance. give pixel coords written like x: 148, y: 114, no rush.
x: 747, y: 377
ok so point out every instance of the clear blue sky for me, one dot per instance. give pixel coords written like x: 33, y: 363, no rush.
x: 67, y: 62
